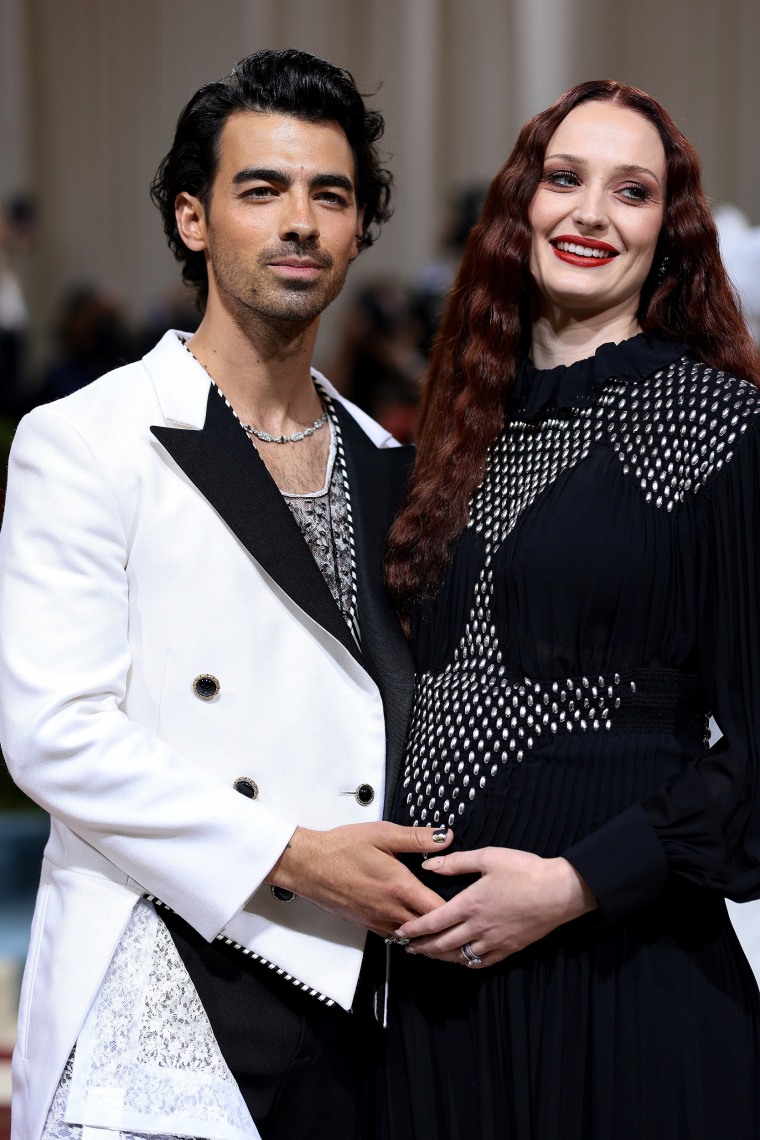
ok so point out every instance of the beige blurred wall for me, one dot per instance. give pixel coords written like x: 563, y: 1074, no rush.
x: 90, y: 91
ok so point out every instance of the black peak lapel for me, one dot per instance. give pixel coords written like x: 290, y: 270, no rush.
x: 231, y: 475
x: 377, y: 480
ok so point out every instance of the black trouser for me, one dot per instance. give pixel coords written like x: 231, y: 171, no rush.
x: 302, y: 1067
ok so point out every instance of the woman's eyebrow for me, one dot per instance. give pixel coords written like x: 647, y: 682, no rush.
x: 622, y: 168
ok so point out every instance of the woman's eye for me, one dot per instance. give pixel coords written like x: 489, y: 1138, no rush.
x: 635, y: 192
x: 562, y: 178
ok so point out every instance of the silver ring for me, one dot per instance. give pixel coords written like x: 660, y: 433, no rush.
x: 394, y: 940
x: 470, y: 956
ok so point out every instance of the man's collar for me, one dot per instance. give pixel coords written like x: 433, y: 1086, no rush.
x: 180, y: 382
x: 181, y: 385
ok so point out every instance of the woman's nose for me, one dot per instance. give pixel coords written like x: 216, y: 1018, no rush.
x: 590, y: 209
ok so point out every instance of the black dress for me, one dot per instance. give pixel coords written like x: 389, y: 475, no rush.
x: 604, y: 600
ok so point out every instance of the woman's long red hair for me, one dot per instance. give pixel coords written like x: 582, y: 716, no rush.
x: 488, y: 319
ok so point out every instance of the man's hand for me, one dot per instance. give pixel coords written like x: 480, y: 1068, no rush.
x: 353, y: 872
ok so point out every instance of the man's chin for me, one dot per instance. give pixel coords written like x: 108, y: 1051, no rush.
x: 292, y: 314
x: 301, y: 301
x: 308, y: 311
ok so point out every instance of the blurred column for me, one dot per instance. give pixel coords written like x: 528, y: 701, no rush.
x: 399, y: 44
x: 476, y: 113
x: 15, y: 114
x: 546, y: 33
x: 745, y: 115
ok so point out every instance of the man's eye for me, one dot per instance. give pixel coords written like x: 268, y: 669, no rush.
x: 258, y: 192
x: 331, y: 196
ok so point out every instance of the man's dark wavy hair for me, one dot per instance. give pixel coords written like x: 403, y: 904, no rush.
x: 288, y: 83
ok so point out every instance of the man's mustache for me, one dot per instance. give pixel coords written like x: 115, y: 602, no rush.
x: 297, y: 249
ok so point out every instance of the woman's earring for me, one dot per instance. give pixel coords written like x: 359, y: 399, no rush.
x: 662, y: 270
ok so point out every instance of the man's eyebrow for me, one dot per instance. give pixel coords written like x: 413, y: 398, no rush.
x: 623, y: 168
x: 340, y: 180
x: 261, y: 174
x: 282, y: 178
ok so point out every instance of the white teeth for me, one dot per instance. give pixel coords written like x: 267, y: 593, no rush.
x: 582, y: 250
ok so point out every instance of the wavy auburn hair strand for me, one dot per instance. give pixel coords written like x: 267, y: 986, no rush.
x: 488, y: 321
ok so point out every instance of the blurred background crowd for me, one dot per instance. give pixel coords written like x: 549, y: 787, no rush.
x: 90, y: 91
x: 378, y: 354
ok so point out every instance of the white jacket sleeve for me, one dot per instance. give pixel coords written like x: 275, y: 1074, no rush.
x: 64, y: 659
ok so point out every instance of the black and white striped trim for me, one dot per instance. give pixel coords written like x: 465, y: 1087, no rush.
x: 256, y: 957
x: 352, y: 617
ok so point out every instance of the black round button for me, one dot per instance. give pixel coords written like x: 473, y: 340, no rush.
x: 282, y: 895
x: 365, y: 794
x: 206, y: 687
x: 247, y: 787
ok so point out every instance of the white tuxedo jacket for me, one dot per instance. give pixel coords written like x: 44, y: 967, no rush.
x: 144, y: 544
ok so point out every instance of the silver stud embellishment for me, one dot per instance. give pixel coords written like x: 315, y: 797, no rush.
x: 670, y: 435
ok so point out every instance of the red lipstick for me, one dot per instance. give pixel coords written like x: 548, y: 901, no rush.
x: 593, y: 253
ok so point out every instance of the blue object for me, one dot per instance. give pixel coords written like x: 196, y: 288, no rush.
x: 23, y: 835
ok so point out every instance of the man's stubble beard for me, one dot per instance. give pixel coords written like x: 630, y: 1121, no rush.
x: 299, y: 302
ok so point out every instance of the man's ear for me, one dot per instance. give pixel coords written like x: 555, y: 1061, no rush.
x: 358, y: 234
x: 191, y: 221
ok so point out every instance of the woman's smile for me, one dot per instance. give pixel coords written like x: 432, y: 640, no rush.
x: 584, y: 252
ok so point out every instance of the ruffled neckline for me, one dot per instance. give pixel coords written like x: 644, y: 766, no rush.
x: 540, y: 391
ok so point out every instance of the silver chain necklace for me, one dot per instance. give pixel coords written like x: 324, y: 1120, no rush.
x: 249, y: 429
x: 294, y: 438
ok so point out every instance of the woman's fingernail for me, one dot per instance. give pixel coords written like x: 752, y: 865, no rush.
x: 432, y: 861
x: 440, y: 835
x: 410, y: 950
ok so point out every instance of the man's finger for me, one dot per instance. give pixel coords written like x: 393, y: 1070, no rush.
x: 421, y: 900
x: 426, y: 840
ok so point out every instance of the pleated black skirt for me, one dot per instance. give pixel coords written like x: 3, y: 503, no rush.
x: 647, y: 1028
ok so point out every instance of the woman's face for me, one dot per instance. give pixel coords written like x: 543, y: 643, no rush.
x: 597, y: 213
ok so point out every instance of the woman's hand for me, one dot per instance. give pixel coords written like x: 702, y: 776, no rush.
x: 518, y: 899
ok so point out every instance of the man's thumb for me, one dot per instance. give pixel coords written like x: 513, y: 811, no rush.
x: 424, y: 839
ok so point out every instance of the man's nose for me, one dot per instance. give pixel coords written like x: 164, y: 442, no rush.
x: 299, y: 220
